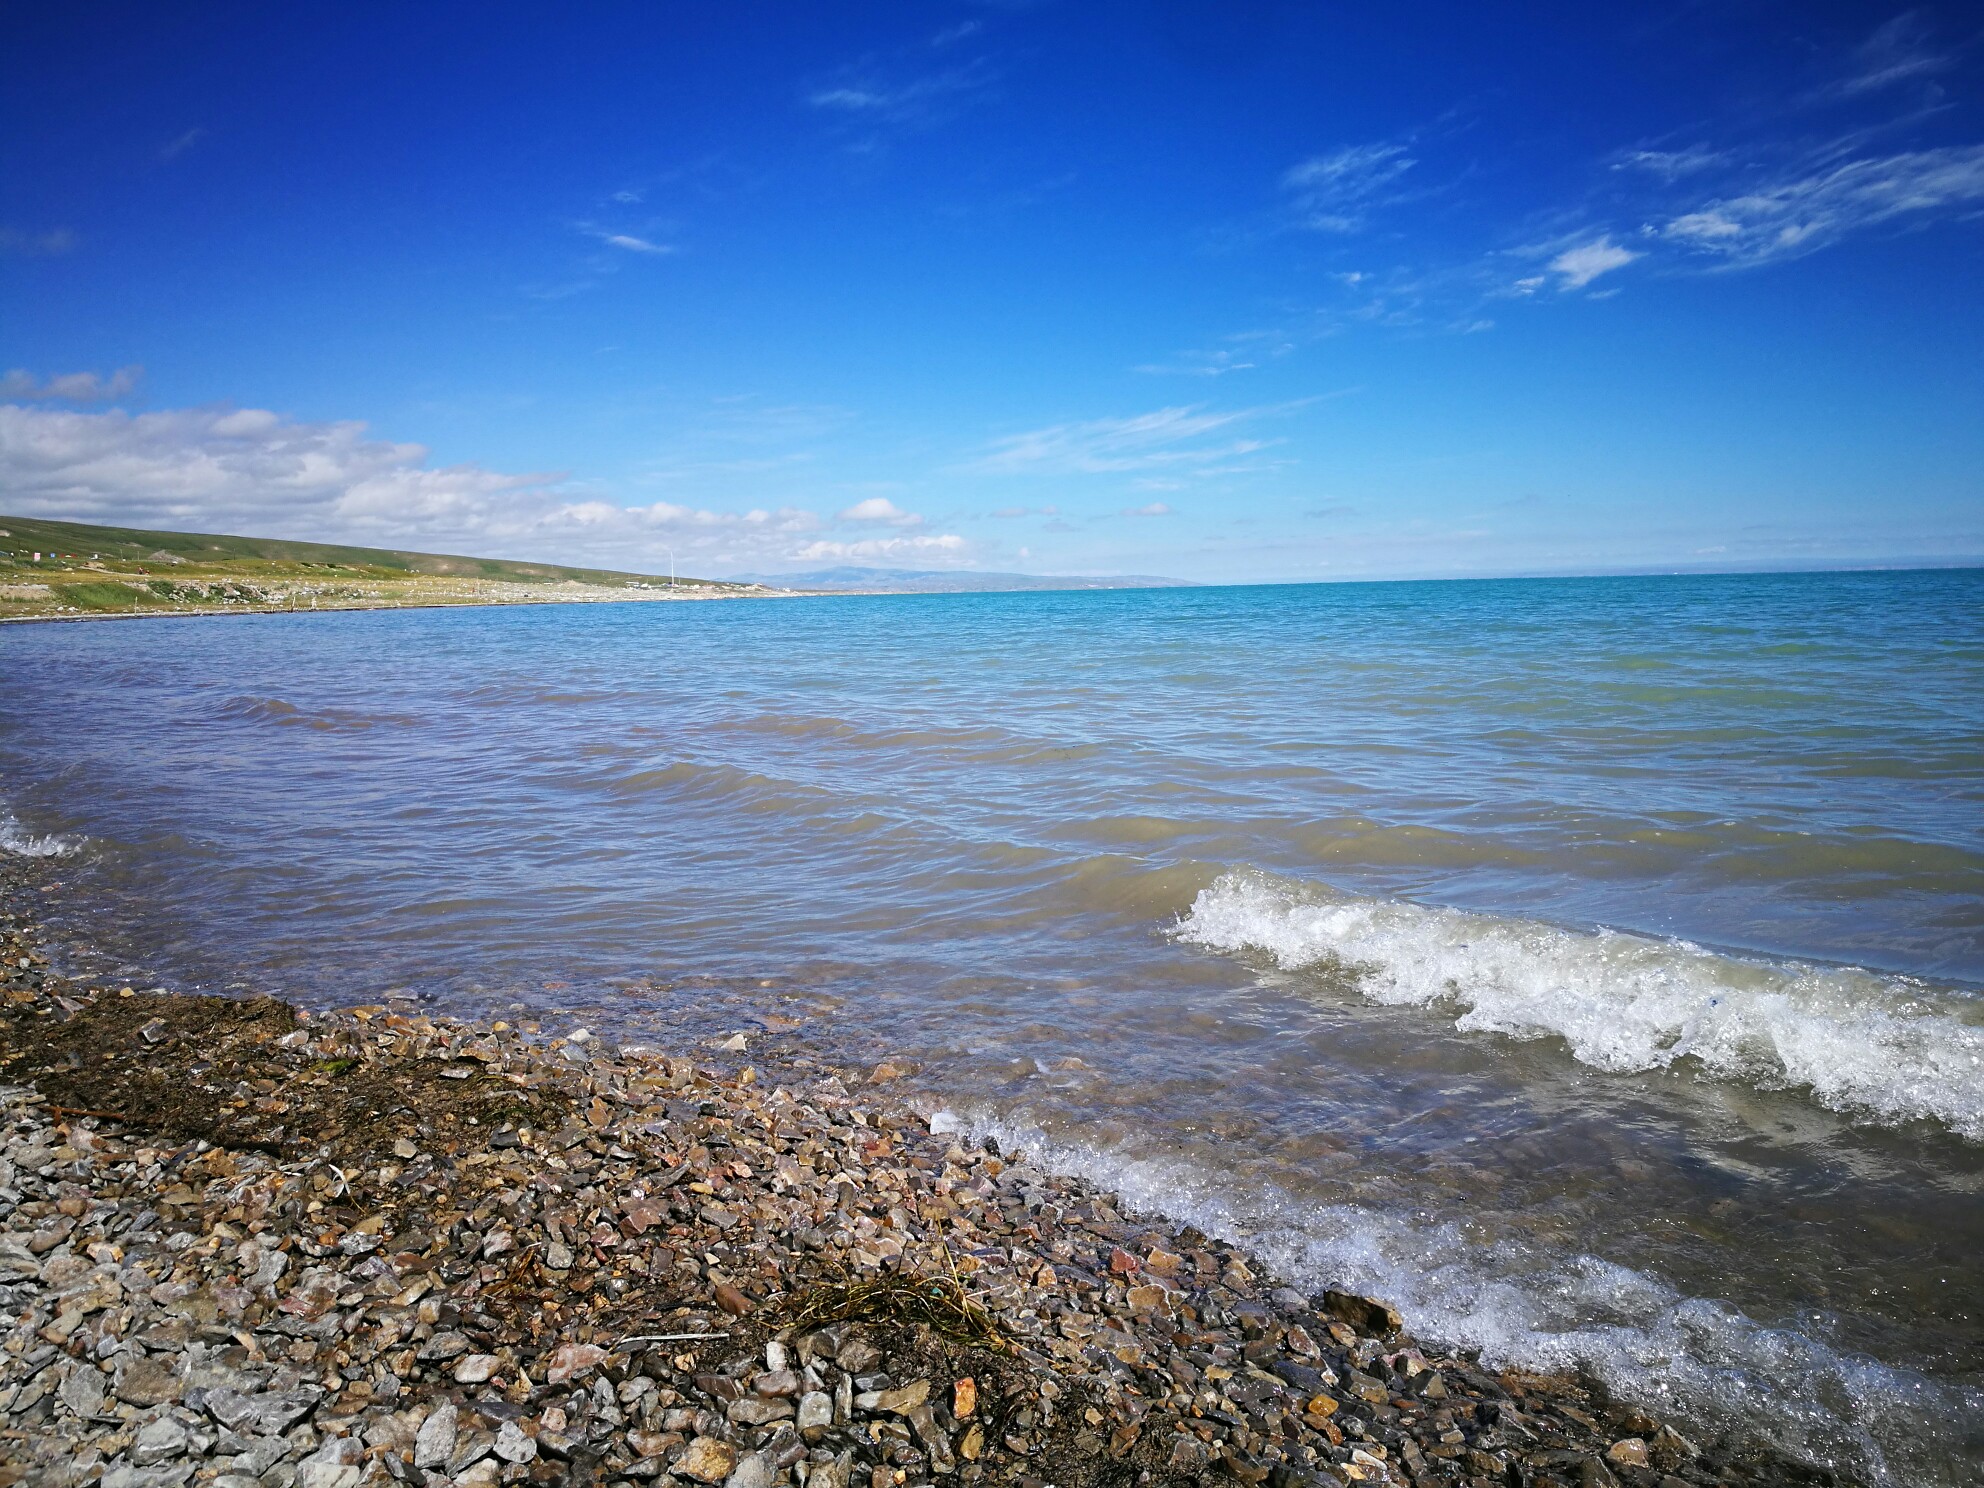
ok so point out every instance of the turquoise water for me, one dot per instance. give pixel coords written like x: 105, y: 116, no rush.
x: 1589, y: 965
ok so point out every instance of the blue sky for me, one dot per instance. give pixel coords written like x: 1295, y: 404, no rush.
x: 1220, y: 291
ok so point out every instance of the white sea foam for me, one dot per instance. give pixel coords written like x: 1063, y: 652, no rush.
x: 1699, y: 1361
x: 1888, y: 1047
x: 21, y: 843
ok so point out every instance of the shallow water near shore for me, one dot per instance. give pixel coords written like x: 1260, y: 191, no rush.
x: 1588, y: 966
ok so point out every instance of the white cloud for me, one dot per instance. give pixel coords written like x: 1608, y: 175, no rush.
x: 1337, y: 191
x: 1803, y: 212
x: 73, y: 387
x: 44, y: 244
x: 1584, y: 263
x: 1897, y: 51
x: 920, y: 101
x: 880, y: 509
x: 633, y: 244
x: 180, y: 144
x: 1670, y: 165
x: 849, y: 98
x: 248, y: 466
x: 1168, y: 438
x: 949, y: 546
x: 1155, y: 509
x: 249, y: 470
x: 1199, y: 364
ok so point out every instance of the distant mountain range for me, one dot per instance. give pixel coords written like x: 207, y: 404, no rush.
x: 949, y: 581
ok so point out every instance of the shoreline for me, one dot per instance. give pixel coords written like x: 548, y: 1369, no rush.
x: 436, y: 604
x: 247, y: 1244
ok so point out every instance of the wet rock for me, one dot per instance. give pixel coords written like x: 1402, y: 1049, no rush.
x: 1366, y: 1315
x: 1628, y: 1452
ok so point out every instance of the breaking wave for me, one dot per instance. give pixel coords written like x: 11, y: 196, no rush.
x: 1703, y: 1361
x: 17, y: 841
x: 1887, y: 1047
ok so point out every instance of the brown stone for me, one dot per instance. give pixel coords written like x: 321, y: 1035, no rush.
x: 569, y: 1360
x: 707, y: 1460
x: 1629, y: 1452
x: 1367, y: 1315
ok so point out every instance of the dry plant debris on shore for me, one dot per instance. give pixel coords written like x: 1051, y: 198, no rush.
x: 243, y: 1245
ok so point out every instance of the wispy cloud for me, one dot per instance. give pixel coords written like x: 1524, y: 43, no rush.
x: 1584, y: 263
x: 1670, y: 165
x: 1175, y: 439
x: 1804, y: 211
x: 618, y: 245
x: 1775, y: 187
x: 1155, y: 509
x: 1214, y: 363
x: 862, y: 94
x: 1337, y: 191
x: 1900, y: 51
x: 44, y: 244
x: 73, y: 387
x: 178, y: 145
x: 632, y: 244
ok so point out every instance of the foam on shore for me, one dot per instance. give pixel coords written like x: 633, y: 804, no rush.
x: 17, y: 841
x: 1697, y: 1359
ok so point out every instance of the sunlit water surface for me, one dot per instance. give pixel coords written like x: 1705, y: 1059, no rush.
x: 1588, y: 966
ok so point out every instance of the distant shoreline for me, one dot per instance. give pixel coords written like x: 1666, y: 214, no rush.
x: 218, y: 612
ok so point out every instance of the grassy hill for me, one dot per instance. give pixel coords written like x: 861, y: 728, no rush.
x: 85, y: 569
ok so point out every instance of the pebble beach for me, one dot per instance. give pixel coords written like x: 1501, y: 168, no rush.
x: 244, y: 1243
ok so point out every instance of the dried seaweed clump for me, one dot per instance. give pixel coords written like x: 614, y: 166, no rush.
x: 893, y: 1297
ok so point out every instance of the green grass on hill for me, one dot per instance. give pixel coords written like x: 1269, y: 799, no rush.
x: 79, y: 541
x: 84, y: 569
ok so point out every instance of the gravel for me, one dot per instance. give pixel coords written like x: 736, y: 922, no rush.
x: 366, y: 1247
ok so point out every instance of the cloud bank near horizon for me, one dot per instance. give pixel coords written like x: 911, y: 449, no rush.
x: 253, y: 471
